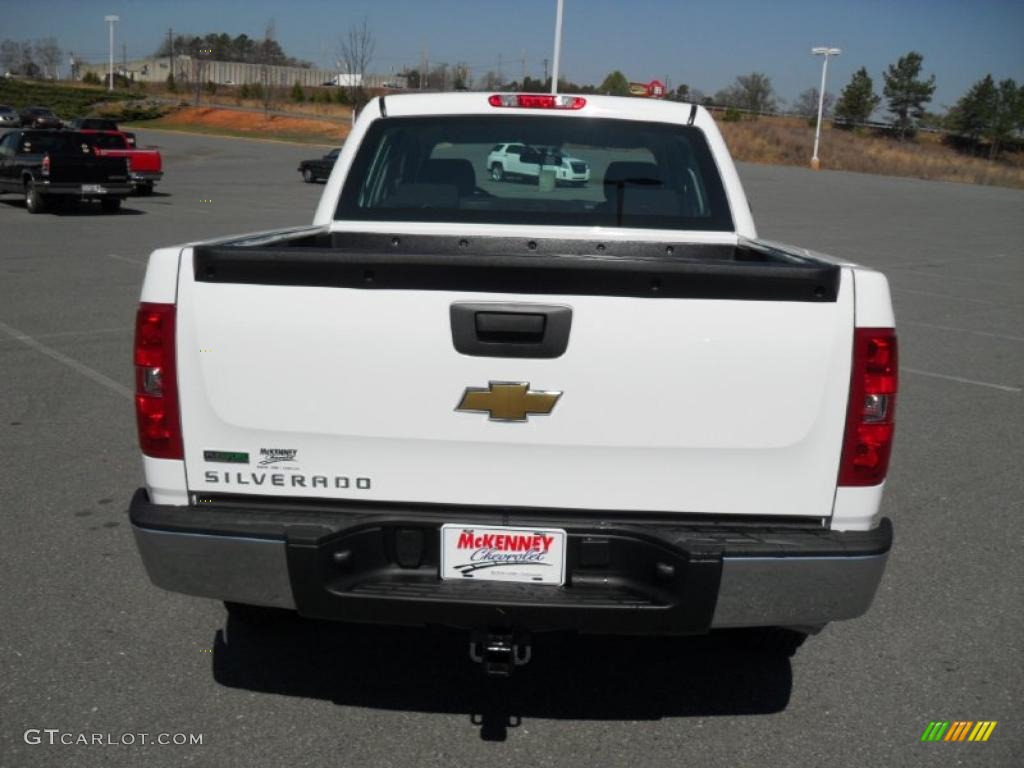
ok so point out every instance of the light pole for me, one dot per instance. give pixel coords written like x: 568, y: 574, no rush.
x: 111, y: 20
x: 558, y: 48
x: 824, y: 52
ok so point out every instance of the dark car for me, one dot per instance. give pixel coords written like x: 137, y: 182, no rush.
x: 39, y: 117
x: 314, y: 170
x: 60, y: 166
x: 9, y: 117
x: 99, y: 124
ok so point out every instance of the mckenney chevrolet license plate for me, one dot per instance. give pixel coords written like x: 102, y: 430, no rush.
x: 96, y: 189
x: 531, y: 555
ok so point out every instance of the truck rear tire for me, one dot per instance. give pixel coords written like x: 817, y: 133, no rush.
x: 34, y: 201
x: 110, y: 204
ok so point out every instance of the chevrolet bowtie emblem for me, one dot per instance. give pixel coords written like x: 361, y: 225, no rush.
x: 507, y: 400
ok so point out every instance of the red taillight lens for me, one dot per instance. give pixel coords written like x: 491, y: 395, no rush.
x: 869, y: 413
x: 156, y: 388
x: 537, y: 101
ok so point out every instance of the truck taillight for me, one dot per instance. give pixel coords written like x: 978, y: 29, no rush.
x: 536, y: 101
x: 869, y: 413
x: 46, y: 165
x: 156, y: 388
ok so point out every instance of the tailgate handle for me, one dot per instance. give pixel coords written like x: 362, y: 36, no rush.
x: 510, y: 330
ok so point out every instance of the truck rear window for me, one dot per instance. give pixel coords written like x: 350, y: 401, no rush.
x: 553, y: 170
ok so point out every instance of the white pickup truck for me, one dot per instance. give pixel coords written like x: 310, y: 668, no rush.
x: 511, y: 409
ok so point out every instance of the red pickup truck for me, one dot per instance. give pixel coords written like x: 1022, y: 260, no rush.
x: 145, y: 166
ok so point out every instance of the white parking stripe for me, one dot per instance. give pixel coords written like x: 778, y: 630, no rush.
x: 53, y: 354
x: 963, y: 330
x: 897, y: 289
x: 1000, y: 387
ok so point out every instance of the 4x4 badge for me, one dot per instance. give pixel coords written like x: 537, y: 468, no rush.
x: 507, y: 400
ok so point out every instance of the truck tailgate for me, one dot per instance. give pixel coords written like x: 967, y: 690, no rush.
x: 698, y: 398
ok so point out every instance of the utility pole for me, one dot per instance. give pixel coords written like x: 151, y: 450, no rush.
x: 524, y: 65
x: 545, y: 70
x: 111, y: 20
x: 426, y: 67
x: 124, y: 58
x: 558, y: 48
x: 423, y: 67
x: 501, y: 76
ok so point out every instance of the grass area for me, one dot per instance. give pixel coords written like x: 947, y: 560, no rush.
x: 252, y: 125
x: 66, y: 100
x: 789, y: 141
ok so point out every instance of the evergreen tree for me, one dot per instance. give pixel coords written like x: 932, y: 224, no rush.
x: 858, y: 99
x: 615, y: 84
x: 906, y: 92
x: 975, y: 110
x: 1007, y: 117
x: 298, y: 95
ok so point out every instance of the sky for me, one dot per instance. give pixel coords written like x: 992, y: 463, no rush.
x: 703, y: 43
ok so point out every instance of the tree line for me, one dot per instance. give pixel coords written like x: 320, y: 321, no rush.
x: 220, y: 46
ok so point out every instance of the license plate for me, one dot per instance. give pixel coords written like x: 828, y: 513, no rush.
x: 93, y: 189
x: 498, y: 553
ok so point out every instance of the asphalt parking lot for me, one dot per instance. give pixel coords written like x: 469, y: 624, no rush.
x: 87, y: 645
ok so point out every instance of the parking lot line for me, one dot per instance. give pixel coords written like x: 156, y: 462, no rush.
x: 963, y: 330
x: 53, y: 354
x: 897, y: 289
x: 958, y: 379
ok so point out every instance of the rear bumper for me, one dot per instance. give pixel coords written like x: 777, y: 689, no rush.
x: 145, y: 177
x: 376, y: 564
x: 77, y: 190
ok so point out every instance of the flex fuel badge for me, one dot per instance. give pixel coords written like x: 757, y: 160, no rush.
x: 227, y: 457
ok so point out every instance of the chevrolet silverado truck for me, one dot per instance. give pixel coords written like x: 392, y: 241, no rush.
x: 605, y: 409
x: 145, y: 166
x: 60, y: 167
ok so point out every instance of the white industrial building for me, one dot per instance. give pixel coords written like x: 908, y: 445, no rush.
x: 186, y: 69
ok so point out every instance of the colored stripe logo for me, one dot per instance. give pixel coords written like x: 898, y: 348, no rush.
x: 958, y: 730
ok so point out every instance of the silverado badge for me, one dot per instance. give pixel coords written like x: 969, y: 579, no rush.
x: 507, y: 400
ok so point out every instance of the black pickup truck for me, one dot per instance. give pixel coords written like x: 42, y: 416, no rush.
x: 47, y: 166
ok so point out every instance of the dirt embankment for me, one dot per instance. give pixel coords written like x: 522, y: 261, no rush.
x: 252, y: 124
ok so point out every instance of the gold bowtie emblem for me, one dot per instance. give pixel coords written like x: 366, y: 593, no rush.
x: 507, y: 401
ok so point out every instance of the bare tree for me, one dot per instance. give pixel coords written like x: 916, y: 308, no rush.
x: 48, y: 54
x: 806, y: 103
x: 355, y: 51
x: 266, y: 51
x: 16, y: 56
x: 199, y: 68
x: 10, y: 54
x: 461, y: 77
x: 490, y: 81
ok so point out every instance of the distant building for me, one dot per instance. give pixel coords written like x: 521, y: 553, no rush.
x: 156, y: 69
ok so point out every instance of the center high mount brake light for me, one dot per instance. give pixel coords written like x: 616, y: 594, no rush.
x: 536, y: 101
